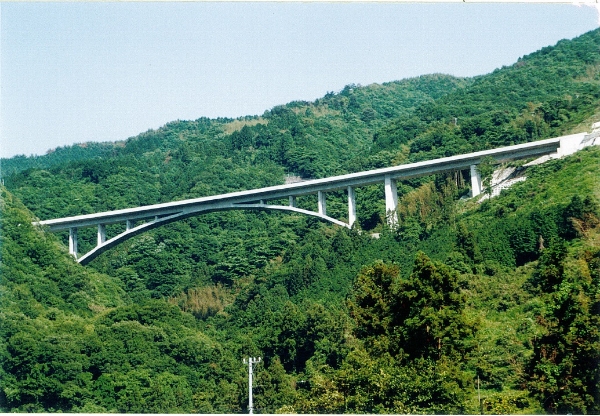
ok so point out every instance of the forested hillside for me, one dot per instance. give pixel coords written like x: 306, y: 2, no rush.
x: 464, y: 307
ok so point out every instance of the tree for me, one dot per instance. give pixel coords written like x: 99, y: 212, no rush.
x: 371, y: 304
x: 274, y: 389
x: 422, y: 317
x: 429, y: 316
x: 563, y: 371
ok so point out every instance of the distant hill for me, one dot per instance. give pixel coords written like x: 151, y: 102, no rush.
x: 363, y: 108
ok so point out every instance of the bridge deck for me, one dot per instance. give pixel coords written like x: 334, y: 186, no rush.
x: 237, y: 199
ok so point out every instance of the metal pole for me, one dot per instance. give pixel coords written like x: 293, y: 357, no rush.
x: 251, y: 361
x: 250, y: 404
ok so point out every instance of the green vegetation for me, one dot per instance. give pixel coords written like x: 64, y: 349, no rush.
x: 464, y: 307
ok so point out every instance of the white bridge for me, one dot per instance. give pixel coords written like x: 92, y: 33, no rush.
x: 258, y: 199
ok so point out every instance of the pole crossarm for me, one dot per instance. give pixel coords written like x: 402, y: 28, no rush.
x: 255, y: 199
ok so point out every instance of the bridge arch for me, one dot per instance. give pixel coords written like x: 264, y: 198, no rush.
x: 158, y: 222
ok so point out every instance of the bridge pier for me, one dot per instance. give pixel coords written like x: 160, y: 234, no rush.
x: 73, y: 241
x: 322, y: 204
x: 351, y: 206
x: 101, y: 234
x: 128, y: 225
x: 391, y: 200
x: 292, y: 200
x: 476, y: 187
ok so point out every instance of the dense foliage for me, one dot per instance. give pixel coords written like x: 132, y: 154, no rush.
x: 464, y: 307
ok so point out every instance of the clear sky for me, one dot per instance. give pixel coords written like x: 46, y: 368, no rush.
x: 77, y: 72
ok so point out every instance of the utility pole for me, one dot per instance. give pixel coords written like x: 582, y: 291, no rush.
x: 250, y: 362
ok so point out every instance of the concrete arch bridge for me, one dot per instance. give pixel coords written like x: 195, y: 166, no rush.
x: 153, y: 216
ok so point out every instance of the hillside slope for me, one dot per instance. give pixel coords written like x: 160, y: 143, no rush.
x: 545, y: 94
x: 506, y: 298
x: 73, y: 341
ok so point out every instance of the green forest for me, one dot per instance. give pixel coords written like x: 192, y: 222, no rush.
x: 464, y: 306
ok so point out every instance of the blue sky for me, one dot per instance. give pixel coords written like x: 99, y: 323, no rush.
x: 77, y: 72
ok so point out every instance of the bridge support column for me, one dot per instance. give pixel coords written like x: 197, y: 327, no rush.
x: 351, y: 206
x: 292, y: 200
x: 322, y: 204
x: 129, y: 225
x: 391, y: 200
x: 475, y: 181
x: 101, y: 234
x: 73, y: 241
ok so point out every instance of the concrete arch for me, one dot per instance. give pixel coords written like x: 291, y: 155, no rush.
x: 158, y: 222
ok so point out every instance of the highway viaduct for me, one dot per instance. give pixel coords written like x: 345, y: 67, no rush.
x: 154, y: 216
